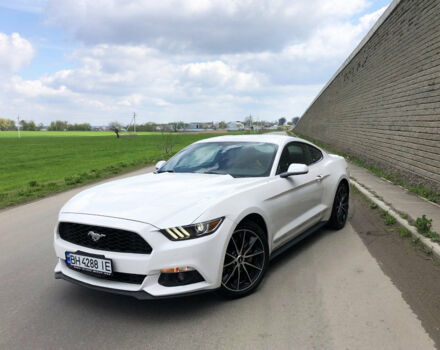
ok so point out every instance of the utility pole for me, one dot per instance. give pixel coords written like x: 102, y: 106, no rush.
x: 134, y: 122
x: 18, y: 126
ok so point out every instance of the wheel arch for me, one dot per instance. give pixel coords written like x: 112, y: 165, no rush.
x: 344, y: 181
x: 258, y: 219
x: 329, y: 197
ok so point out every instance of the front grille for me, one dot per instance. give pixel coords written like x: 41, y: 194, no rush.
x: 116, y: 276
x: 111, y: 239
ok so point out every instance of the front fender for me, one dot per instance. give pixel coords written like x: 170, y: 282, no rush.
x: 236, y: 211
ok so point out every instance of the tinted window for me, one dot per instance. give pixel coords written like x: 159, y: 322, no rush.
x: 284, y: 163
x: 298, y: 152
x: 315, y: 154
x: 238, y: 159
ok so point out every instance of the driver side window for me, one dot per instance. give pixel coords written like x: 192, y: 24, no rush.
x: 295, y: 152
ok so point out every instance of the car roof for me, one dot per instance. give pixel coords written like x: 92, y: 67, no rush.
x: 270, y: 138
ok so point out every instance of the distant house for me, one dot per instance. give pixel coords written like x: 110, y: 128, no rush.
x: 194, y: 127
x: 235, y: 126
x: 100, y: 128
x: 199, y: 126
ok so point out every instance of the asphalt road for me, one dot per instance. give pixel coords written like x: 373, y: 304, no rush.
x: 326, y: 293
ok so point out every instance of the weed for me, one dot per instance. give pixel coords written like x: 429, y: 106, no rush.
x: 428, y: 251
x: 423, y: 225
x: 389, y: 220
x: 435, y: 237
x: 94, y: 174
x: 373, y: 206
x: 404, y: 216
x: 73, y: 180
x: 404, y: 232
x: 24, y: 193
x: 33, y: 183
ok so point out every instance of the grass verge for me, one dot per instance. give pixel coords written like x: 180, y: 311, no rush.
x: 392, y: 225
x: 36, y: 166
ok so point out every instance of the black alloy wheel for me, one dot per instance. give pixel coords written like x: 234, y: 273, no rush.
x: 245, y: 262
x: 340, y: 207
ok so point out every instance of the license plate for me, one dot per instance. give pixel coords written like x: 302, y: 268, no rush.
x: 89, y: 263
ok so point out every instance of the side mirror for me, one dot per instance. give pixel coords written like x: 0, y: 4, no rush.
x: 295, y: 169
x: 160, y: 164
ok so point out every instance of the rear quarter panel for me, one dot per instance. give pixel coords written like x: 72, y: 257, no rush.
x: 337, y: 169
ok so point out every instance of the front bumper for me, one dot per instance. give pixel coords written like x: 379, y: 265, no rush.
x: 141, y: 295
x: 205, y: 254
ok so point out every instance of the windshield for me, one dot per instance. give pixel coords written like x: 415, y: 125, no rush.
x: 238, y: 159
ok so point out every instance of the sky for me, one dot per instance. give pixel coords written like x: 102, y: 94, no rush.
x: 169, y: 60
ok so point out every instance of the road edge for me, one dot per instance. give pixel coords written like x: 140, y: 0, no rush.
x: 435, y: 248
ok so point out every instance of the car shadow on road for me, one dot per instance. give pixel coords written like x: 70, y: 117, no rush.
x: 113, y: 305
x: 292, y: 253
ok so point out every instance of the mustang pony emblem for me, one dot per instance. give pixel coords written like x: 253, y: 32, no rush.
x: 95, y: 236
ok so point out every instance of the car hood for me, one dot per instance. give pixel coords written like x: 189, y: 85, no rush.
x: 163, y: 200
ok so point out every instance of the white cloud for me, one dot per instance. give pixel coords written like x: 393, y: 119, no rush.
x: 137, y: 74
x: 215, y: 26
x: 157, y: 87
x: 15, y: 52
x: 217, y: 74
x: 313, y: 59
x: 192, y: 60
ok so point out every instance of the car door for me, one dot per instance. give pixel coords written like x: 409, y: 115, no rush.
x: 295, y: 203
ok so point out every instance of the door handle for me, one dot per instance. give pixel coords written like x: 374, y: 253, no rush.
x: 319, y: 178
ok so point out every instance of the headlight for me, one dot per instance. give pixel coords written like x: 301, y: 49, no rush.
x: 179, y: 233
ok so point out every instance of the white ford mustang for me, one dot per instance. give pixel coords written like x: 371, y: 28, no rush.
x: 210, y: 218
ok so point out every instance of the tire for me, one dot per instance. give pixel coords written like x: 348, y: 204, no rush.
x: 339, y: 214
x: 246, y: 261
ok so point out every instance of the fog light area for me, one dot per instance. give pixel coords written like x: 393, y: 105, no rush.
x: 179, y: 276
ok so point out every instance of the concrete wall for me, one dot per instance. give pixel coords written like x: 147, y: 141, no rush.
x: 383, y: 104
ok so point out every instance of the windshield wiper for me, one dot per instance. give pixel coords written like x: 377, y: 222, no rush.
x: 214, y: 173
x: 166, y: 171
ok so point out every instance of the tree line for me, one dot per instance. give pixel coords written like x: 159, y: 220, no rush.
x: 58, y: 125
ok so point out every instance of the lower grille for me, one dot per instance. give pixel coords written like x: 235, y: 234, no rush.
x: 180, y: 278
x: 103, y: 238
x: 116, y: 276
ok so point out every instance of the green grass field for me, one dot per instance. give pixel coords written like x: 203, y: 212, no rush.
x: 14, y: 134
x: 40, y: 163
